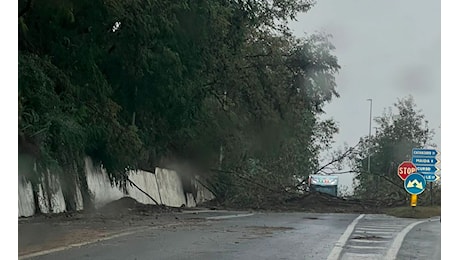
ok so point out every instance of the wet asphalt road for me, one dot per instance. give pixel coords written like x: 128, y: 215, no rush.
x: 423, y: 242
x: 243, y: 235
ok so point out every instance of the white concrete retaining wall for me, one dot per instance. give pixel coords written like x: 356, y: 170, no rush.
x: 203, y: 194
x: 51, y: 201
x: 146, y: 181
x: 170, y: 188
x: 26, y: 198
x: 164, y: 186
x: 102, y: 190
x: 78, y: 197
x: 190, y: 200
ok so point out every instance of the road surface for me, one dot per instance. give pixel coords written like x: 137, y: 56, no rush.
x: 246, y: 235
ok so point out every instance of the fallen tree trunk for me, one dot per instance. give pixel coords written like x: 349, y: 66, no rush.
x: 134, y: 184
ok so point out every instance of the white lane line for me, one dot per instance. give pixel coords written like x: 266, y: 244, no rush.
x: 379, y: 229
x: 57, y: 249
x: 368, y: 241
x: 383, y: 227
x: 366, y: 247
x: 374, y: 232
x: 335, y: 253
x: 45, y: 252
x: 202, y: 211
x: 393, y: 251
x: 231, y: 216
x: 355, y: 256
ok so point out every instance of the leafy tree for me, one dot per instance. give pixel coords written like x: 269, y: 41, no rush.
x: 276, y: 110
x: 397, y: 134
x: 139, y: 84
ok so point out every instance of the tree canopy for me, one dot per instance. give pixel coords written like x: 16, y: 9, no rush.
x: 140, y: 84
x: 399, y: 129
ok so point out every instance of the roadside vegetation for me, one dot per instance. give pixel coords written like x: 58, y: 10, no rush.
x: 222, y: 87
x: 416, y: 212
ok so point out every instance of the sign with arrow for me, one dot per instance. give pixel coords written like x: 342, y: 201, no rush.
x: 415, y: 183
x: 424, y: 152
x: 426, y: 161
x: 430, y: 177
x: 427, y: 169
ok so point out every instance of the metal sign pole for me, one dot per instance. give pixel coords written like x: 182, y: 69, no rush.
x: 413, y: 200
x: 431, y: 193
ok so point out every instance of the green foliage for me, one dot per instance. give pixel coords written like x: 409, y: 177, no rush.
x: 269, y: 113
x: 419, y: 212
x: 397, y: 134
x: 133, y: 84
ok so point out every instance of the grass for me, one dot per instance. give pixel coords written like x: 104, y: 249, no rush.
x: 418, y: 212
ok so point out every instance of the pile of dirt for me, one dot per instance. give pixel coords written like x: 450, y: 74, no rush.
x: 128, y: 205
x: 125, y: 203
x: 129, y: 208
x: 325, y: 203
x: 310, y: 202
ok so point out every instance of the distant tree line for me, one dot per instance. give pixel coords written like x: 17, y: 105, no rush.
x: 399, y: 129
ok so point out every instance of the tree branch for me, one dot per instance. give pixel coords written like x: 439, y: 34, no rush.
x: 205, y: 186
x: 390, y: 181
x: 341, y: 157
x: 219, y: 100
x: 134, y: 184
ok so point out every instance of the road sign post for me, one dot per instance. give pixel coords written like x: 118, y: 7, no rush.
x: 431, y: 193
x: 405, y: 169
x: 413, y: 200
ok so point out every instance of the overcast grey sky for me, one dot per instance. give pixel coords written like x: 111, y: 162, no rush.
x: 388, y: 49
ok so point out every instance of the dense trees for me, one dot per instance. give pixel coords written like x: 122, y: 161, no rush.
x: 398, y: 132
x: 222, y: 85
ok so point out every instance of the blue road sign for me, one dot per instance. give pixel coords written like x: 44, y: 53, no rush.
x: 416, y: 152
x: 425, y: 168
x: 424, y: 160
x: 429, y: 177
x: 415, y: 183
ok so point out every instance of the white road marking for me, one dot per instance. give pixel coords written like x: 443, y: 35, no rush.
x: 353, y: 256
x: 374, y: 232
x: 378, y: 229
x: 393, y: 251
x: 57, y: 249
x: 132, y: 231
x: 383, y: 227
x: 370, y: 241
x: 231, y: 216
x: 202, y: 211
x: 365, y: 247
x: 335, y: 253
